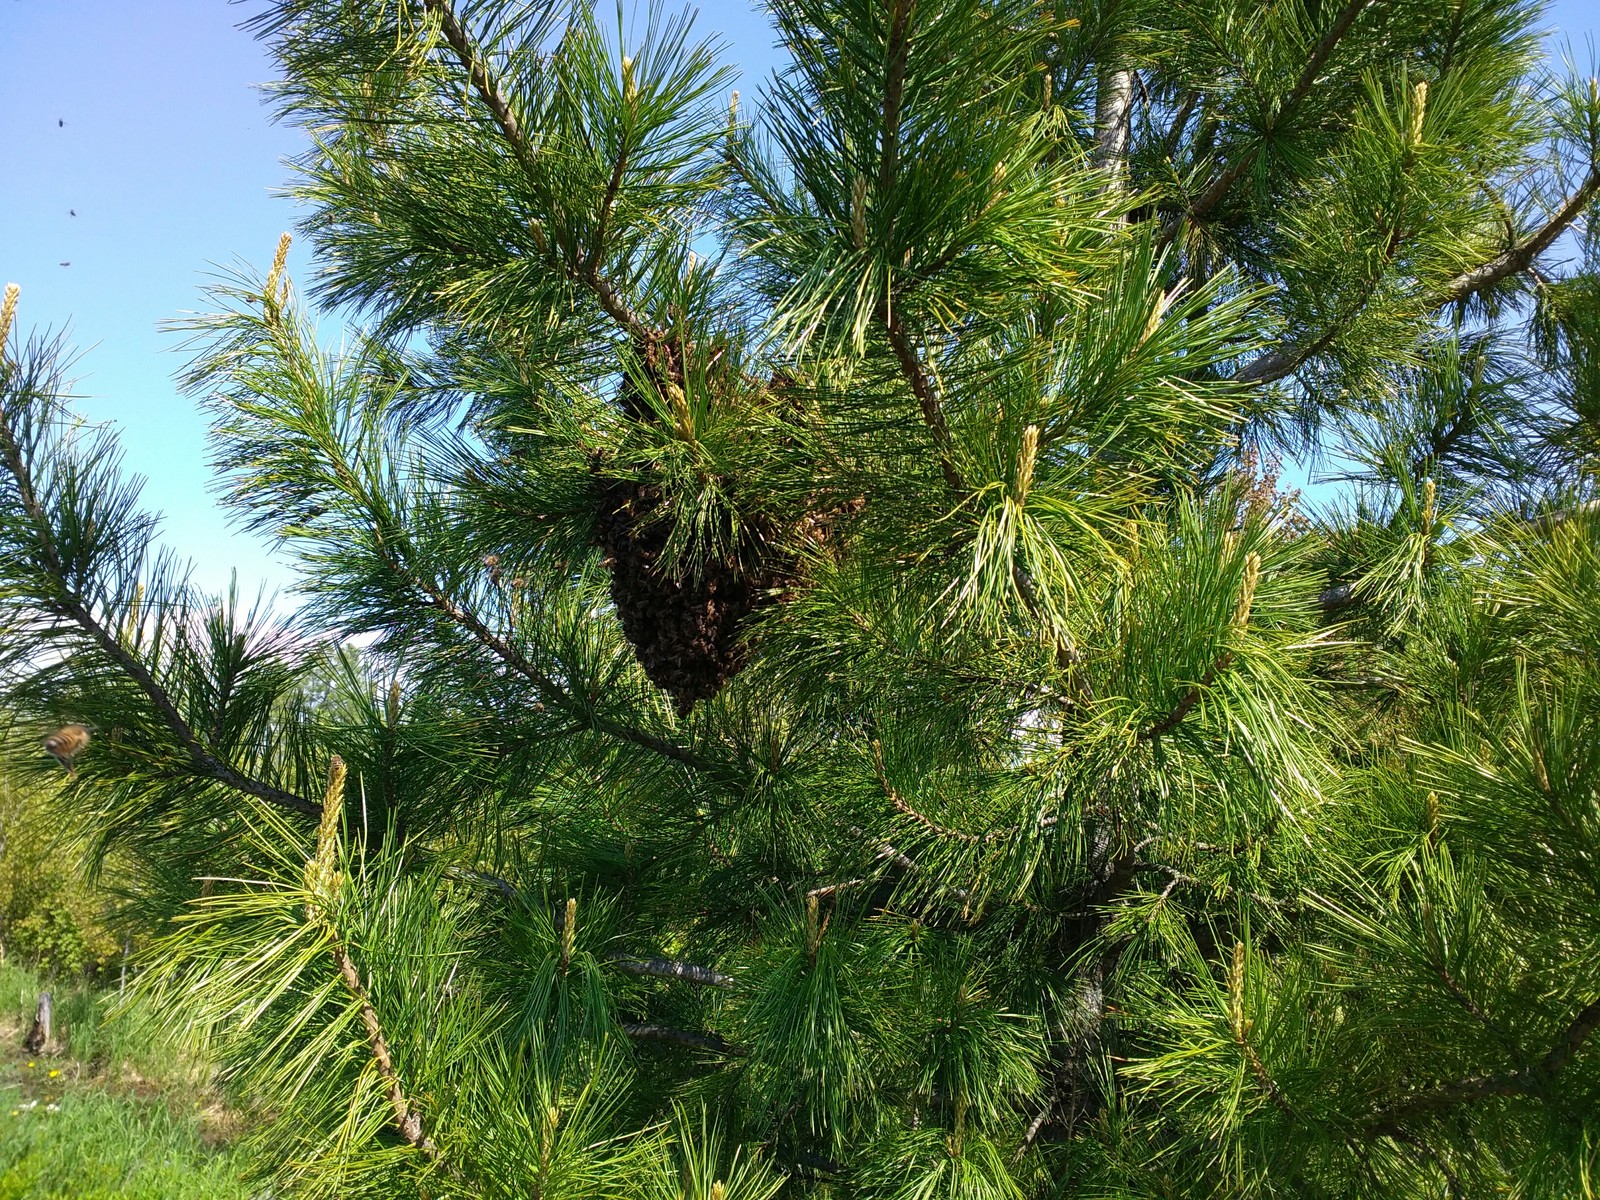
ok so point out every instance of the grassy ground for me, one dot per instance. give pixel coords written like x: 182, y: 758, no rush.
x: 106, y: 1111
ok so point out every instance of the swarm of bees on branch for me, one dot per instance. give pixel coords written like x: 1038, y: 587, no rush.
x: 65, y: 744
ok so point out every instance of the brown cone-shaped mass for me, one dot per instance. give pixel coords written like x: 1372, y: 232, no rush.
x: 683, y: 621
x: 686, y: 616
x: 684, y: 624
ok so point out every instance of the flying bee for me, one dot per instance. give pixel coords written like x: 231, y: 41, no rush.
x: 66, y: 743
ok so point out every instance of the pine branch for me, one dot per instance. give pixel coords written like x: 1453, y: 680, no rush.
x: 1265, y: 1081
x: 1273, y: 365
x: 1180, y: 120
x: 1520, y: 257
x: 504, y: 887
x: 1572, y: 1039
x: 1453, y: 986
x: 1546, y: 522
x: 609, y: 200
x: 927, y: 393
x: 1036, y: 1126
x: 822, y: 893
x: 71, y: 604
x: 1528, y: 1079
x: 1424, y: 1154
x: 488, y: 89
x: 1242, y: 1027
x: 201, y: 758
x: 885, y: 852
x: 895, y: 54
x: 1221, y: 185
x: 557, y: 694
x: 1187, y: 701
x: 816, y: 1166
x: 684, y: 1037
x: 922, y: 385
x: 406, y: 1117
x: 903, y: 806
x: 666, y: 968
x: 322, y: 882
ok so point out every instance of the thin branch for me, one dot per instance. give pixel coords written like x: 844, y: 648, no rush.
x: 1188, y: 700
x: 889, y: 853
x: 1453, y: 986
x: 903, y: 806
x: 322, y: 882
x: 815, y: 1166
x: 1265, y: 1080
x: 1220, y: 186
x: 488, y: 89
x: 504, y: 887
x: 518, y: 662
x: 1520, y: 257
x: 822, y: 893
x: 1424, y: 1154
x: 1571, y: 1041
x: 885, y: 853
x: 1165, y: 894
x: 895, y: 54
x: 1319, y: 55
x: 1466, y: 1091
x: 1038, y: 1123
x: 1546, y: 522
x: 683, y: 1037
x: 201, y: 757
x: 1180, y: 120
x: 666, y: 968
x: 406, y: 1118
x: 926, y: 392
x: 597, y: 248
x: 1272, y: 365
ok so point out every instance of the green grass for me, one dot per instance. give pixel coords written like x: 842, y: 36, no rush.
x: 94, y: 1146
x: 108, y: 1110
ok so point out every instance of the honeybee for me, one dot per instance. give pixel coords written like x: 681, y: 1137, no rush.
x: 66, y: 743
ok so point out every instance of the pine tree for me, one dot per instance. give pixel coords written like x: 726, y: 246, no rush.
x: 807, y: 683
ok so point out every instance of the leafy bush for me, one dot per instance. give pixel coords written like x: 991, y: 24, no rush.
x: 50, y: 915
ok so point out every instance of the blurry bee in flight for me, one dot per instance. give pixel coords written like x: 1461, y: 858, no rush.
x: 66, y: 743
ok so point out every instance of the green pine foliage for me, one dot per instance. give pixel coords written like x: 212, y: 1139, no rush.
x: 806, y: 684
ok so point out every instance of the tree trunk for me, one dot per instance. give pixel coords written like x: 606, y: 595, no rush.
x: 39, y: 1035
x: 1113, y: 119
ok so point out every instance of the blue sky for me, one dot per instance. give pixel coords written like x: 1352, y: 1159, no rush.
x: 142, y: 118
